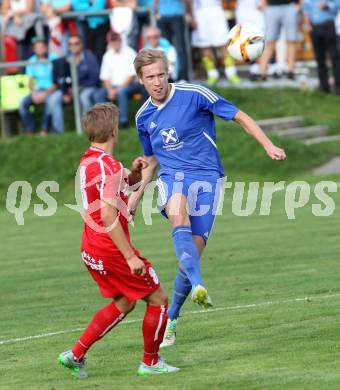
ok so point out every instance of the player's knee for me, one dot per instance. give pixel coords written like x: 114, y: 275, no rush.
x: 158, y: 298
x: 124, y: 305
x: 180, y: 220
x: 130, y: 306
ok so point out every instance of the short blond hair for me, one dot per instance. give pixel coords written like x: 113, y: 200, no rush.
x: 147, y: 57
x: 99, y: 122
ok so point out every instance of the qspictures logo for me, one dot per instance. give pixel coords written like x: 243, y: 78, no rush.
x: 244, y: 199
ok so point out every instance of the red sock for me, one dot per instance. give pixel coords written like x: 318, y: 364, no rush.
x: 153, y: 331
x: 103, y: 321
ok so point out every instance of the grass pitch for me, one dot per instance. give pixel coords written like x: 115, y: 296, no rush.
x: 262, y: 333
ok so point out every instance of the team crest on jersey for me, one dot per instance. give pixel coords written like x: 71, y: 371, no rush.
x: 170, y: 139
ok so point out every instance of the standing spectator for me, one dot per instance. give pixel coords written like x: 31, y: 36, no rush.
x: 88, y: 72
x: 58, y: 29
x: 280, y: 13
x: 171, y: 21
x: 321, y: 17
x: 41, y: 87
x: 123, y: 20
x: 210, y: 32
x: 143, y: 13
x: 93, y: 29
x: 119, y: 78
x: 155, y: 41
x: 18, y: 18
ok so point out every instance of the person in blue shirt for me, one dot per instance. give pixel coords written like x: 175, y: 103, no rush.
x: 42, y: 88
x: 170, y: 15
x: 154, y: 40
x: 177, y: 130
x: 320, y: 16
x: 93, y: 29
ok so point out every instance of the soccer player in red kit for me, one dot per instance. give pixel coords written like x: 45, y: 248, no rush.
x: 120, y: 272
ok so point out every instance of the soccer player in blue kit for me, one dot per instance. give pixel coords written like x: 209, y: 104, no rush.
x: 177, y: 130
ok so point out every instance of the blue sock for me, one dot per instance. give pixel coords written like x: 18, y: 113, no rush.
x: 182, y: 288
x: 187, y: 253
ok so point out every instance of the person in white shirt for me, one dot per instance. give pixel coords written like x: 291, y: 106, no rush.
x: 118, y: 76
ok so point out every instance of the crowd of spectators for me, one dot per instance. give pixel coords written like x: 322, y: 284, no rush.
x: 104, y: 44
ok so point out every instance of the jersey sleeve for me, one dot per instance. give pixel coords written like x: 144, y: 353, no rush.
x: 144, y: 138
x: 210, y: 101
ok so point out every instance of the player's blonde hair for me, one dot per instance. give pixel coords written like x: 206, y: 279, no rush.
x: 147, y: 57
x: 99, y: 122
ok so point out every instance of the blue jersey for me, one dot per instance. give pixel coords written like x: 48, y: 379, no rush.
x: 181, y: 133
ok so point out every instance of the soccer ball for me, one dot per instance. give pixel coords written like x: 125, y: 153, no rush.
x: 245, y: 42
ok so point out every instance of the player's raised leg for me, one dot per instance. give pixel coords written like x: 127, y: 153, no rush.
x: 103, y: 321
x: 182, y: 288
x: 185, y: 248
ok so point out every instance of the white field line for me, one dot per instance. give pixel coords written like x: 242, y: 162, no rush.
x: 188, y: 313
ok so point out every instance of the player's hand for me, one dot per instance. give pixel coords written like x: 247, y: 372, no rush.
x: 136, y: 265
x: 138, y: 164
x: 275, y: 153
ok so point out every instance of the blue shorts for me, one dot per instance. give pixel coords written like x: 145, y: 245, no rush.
x: 203, y: 198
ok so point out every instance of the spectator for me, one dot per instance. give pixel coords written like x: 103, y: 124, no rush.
x: 321, y: 17
x: 41, y: 87
x: 18, y: 18
x: 337, y: 27
x: 62, y: 81
x: 171, y: 21
x: 143, y: 13
x: 93, y: 29
x: 118, y: 75
x: 280, y: 13
x: 58, y: 29
x: 210, y: 32
x: 123, y: 20
x: 155, y: 41
x: 87, y: 70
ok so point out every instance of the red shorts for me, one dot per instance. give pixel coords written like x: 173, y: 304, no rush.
x: 114, y: 277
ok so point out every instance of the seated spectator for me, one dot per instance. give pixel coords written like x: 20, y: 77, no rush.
x: 58, y: 29
x: 41, y: 87
x: 88, y: 72
x: 155, y: 41
x: 18, y: 18
x: 62, y: 81
x: 92, y: 29
x: 123, y: 20
x: 119, y: 78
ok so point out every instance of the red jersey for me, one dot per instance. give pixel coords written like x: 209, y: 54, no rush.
x: 102, y: 177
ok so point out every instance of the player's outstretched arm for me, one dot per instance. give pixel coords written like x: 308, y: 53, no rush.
x: 110, y: 219
x: 147, y: 175
x: 255, y: 131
